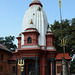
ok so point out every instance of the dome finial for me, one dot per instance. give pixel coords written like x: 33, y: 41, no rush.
x: 35, y: 0
x: 48, y: 28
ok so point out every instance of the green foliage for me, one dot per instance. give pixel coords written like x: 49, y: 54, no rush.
x: 8, y: 41
x: 66, y: 30
x: 72, y: 68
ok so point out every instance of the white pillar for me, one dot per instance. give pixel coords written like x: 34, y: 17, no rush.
x: 64, y: 67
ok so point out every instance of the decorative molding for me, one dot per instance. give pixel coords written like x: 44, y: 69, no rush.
x: 34, y: 58
x: 50, y: 48
x: 31, y: 22
x: 33, y: 46
x: 36, y: 4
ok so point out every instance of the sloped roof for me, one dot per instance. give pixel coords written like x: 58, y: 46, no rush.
x: 4, y: 48
x: 60, y: 55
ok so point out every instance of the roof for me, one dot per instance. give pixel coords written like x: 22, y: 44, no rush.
x: 36, y: 2
x: 60, y: 55
x: 4, y: 48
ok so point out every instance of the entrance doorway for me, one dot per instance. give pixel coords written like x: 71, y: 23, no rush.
x: 30, y: 68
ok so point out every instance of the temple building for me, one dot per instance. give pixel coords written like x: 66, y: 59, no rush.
x: 35, y: 54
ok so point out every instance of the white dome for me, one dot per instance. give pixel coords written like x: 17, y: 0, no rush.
x: 39, y: 19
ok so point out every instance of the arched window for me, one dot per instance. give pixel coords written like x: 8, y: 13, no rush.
x: 29, y: 40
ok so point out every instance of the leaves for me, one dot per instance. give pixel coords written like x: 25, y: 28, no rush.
x: 8, y: 41
x: 72, y: 68
x: 67, y: 31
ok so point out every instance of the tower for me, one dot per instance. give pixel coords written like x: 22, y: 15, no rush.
x: 35, y: 42
x: 36, y: 13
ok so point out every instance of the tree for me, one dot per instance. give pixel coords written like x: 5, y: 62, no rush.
x: 72, y: 68
x: 67, y: 30
x: 8, y: 41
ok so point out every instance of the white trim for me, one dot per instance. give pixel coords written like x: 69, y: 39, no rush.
x: 51, y: 48
x: 33, y: 46
x: 29, y: 30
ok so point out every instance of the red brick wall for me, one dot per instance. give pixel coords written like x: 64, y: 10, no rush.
x: 34, y: 37
x: 59, y: 66
x: 4, y: 63
x: 11, y: 64
x: 49, y: 40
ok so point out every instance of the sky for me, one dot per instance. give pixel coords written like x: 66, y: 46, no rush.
x: 12, y: 13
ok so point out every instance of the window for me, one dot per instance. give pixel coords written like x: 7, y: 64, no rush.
x: 2, y: 56
x: 29, y: 40
x: 13, y: 69
x: 1, y: 68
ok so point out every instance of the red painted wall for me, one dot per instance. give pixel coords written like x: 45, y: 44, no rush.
x: 4, y: 62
